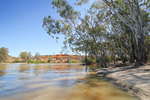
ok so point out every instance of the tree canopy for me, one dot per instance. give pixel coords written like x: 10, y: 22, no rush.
x: 3, y: 54
x: 25, y: 56
x: 110, y: 28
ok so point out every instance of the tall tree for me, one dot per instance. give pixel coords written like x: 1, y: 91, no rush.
x: 3, y: 54
x: 23, y: 56
x: 37, y: 58
x: 29, y: 56
x: 117, y: 23
x: 71, y: 26
x: 132, y: 17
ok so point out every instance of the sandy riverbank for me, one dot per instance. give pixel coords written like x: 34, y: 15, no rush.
x: 134, y: 80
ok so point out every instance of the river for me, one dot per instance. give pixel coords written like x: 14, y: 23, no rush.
x: 55, y: 82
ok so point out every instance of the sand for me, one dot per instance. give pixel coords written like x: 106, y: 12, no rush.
x: 134, y: 80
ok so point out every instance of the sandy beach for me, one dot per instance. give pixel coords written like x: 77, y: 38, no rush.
x: 134, y: 80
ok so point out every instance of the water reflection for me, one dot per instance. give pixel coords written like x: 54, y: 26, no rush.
x: 55, y: 82
x: 2, y: 70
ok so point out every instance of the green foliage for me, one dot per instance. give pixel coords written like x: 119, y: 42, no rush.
x: 74, y: 61
x: 23, y: 56
x: 29, y: 56
x: 32, y: 61
x: 37, y: 58
x: 80, y: 2
x: 17, y: 61
x: 91, y: 61
x: 147, y: 46
x: 109, y: 58
x: 118, y: 58
x: 104, y: 30
x: 3, y: 54
x: 38, y: 62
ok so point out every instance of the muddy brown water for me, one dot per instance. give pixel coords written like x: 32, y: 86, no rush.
x: 55, y: 82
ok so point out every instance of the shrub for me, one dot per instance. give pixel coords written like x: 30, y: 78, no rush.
x: 74, y: 61
x: 37, y: 62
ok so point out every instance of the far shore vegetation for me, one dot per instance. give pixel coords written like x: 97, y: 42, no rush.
x: 26, y: 57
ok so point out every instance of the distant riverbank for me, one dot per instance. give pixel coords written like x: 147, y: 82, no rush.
x: 134, y: 80
x: 48, y: 63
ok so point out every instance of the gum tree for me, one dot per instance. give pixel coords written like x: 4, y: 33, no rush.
x: 132, y: 17
x: 119, y: 23
x: 3, y: 54
x: 70, y: 25
x: 23, y: 56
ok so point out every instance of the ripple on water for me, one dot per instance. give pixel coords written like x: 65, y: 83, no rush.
x: 49, y: 82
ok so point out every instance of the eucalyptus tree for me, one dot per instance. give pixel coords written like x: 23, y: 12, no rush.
x: 130, y: 12
x: 90, y: 30
x: 71, y: 25
x: 119, y: 38
x: 132, y: 17
x: 125, y: 32
x: 148, y: 46
x: 94, y: 23
x: 128, y: 39
x: 104, y: 19
x: 3, y: 54
x: 37, y: 57
x: 23, y: 56
x: 29, y: 56
x: 78, y: 46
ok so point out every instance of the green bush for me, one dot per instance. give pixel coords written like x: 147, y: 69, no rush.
x: 32, y: 62
x: 118, y: 59
x: 37, y: 62
x: 17, y: 61
x: 74, y: 61
x: 90, y: 61
x: 109, y: 58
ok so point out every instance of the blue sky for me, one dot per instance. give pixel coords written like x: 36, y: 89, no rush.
x: 21, y: 27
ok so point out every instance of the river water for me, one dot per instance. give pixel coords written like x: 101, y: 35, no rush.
x: 55, y: 82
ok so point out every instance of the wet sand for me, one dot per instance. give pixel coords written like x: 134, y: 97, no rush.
x: 134, y: 80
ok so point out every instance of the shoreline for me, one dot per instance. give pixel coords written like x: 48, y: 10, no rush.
x: 46, y: 63
x: 133, y: 80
